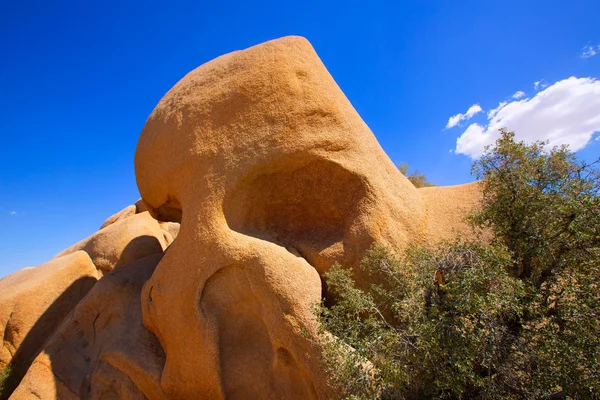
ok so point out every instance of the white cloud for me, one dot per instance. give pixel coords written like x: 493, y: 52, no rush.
x: 474, y: 109
x: 13, y: 213
x: 494, y: 111
x: 456, y: 119
x: 518, y: 95
x: 590, y: 51
x: 540, y: 84
x: 567, y: 112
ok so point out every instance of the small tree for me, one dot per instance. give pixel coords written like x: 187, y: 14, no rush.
x: 544, y: 206
x: 516, y: 318
x: 418, y: 179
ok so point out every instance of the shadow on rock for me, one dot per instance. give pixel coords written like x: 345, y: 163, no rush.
x: 43, y: 329
x: 102, y: 350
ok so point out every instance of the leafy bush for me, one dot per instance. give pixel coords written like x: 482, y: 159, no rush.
x: 418, y: 179
x: 515, y: 318
x: 423, y: 335
x: 544, y: 206
x: 4, y: 376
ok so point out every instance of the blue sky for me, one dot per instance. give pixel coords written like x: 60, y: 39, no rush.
x: 78, y: 80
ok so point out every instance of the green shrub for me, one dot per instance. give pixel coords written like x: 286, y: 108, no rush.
x: 418, y: 179
x: 4, y: 375
x: 516, y: 318
x: 423, y: 335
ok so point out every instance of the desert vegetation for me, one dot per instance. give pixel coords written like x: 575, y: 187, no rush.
x: 415, y: 177
x: 4, y: 376
x: 513, y: 315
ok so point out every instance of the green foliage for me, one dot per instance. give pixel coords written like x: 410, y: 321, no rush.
x: 4, y: 376
x: 418, y: 179
x: 424, y: 336
x: 544, y: 206
x: 516, y: 318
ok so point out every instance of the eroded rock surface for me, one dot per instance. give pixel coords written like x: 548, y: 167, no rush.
x: 258, y: 174
x: 121, y: 215
x: 33, y: 304
x: 102, y: 350
x: 446, y: 209
x: 128, y: 238
x: 273, y: 176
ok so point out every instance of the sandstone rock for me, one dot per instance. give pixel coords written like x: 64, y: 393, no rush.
x: 35, y: 301
x: 122, y: 242
x: 102, y: 350
x: 446, y: 211
x: 140, y: 206
x: 124, y: 213
x: 171, y: 230
x: 273, y: 176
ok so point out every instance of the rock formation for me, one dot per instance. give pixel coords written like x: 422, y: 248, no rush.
x: 102, y: 350
x: 273, y: 177
x: 33, y: 304
x: 122, y: 241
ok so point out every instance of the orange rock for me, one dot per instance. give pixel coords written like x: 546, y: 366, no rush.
x: 170, y: 231
x: 124, y: 213
x: 273, y: 176
x: 35, y: 301
x: 102, y: 350
x: 122, y: 242
x: 140, y: 206
x: 447, y: 208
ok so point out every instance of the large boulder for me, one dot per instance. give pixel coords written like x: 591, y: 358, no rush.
x: 33, y: 304
x: 121, y: 215
x: 274, y: 177
x: 170, y: 231
x: 265, y: 174
x: 446, y: 211
x: 125, y: 240
x: 102, y: 351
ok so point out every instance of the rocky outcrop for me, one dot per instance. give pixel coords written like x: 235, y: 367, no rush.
x: 102, y: 350
x: 258, y: 174
x: 125, y: 240
x: 35, y: 301
x: 33, y: 304
x: 121, y: 215
x: 446, y: 209
x: 274, y: 177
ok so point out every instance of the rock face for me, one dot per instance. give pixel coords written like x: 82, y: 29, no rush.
x: 446, y: 208
x: 121, y: 215
x: 35, y: 301
x: 102, y: 351
x: 273, y: 177
x: 126, y: 239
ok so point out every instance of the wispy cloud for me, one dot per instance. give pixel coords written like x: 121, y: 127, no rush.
x: 518, y: 95
x: 13, y: 213
x: 590, y: 51
x: 456, y: 119
x: 494, y: 111
x: 565, y: 112
x: 540, y: 84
